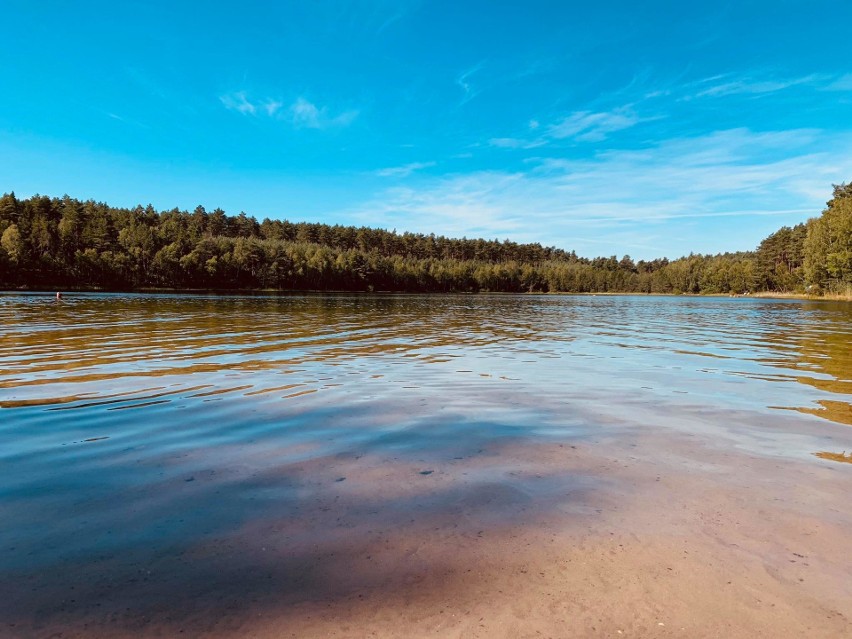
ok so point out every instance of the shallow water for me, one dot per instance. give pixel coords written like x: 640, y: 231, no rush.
x: 140, y: 430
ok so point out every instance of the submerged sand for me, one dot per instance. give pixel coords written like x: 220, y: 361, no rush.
x: 642, y: 532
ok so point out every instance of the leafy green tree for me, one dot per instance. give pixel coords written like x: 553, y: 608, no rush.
x: 828, y: 246
x: 10, y: 209
x: 46, y: 241
x: 13, y: 244
x: 217, y: 223
x: 140, y: 243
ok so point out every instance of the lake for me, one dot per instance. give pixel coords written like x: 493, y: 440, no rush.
x: 264, y: 465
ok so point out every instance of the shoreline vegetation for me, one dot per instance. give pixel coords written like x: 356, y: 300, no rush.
x: 63, y: 243
x: 835, y: 297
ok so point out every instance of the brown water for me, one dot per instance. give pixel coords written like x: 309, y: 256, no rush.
x: 153, y: 446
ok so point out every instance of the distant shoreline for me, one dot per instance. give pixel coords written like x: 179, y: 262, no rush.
x: 828, y: 297
x: 92, y: 246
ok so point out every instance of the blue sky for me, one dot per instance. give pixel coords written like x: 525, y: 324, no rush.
x: 644, y: 128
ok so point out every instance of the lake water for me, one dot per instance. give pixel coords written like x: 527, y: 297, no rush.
x: 141, y: 435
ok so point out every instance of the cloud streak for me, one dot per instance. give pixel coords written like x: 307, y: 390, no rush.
x: 596, y: 125
x: 238, y: 102
x: 586, y: 126
x: 405, y: 170
x: 630, y: 193
x: 465, y: 84
x: 843, y: 83
x: 301, y: 113
x: 579, y: 126
x: 305, y: 114
x: 753, y: 85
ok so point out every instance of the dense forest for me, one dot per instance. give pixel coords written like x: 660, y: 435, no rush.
x: 66, y: 243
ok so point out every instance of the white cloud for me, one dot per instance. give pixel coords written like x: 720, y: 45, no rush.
x: 517, y: 143
x: 124, y: 120
x: 238, y: 102
x: 301, y: 113
x: 728, y: 85
x: 463, y: 81
x: 843, y: 83
x: 592, y: 127
x: 405, y: 170
x: 639, y: 194
x: 580, y: 126
x: 305, y: 114
x: 272, y: 107
x: 587, y: 125
x: 754, y: 87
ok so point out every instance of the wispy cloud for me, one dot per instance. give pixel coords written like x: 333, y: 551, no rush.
x: 405, y: 170
x: 843, y: 83
x: 592, y: 127
x: 643, y: 91
x: 305, y: 114
x: 123, y: 119
x: 754, y: 87
x: 517, y: 143
x: 464, y: 82
x: 579, y: 126
x: 272, y: 107
x: 736, y: 174
x: 638, y: 100
x: 394, y: 17
x: 301, y: 113
x: 238, y: 102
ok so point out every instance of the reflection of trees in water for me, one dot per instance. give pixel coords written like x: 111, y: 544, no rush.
x: 838, y: 457
x: 98, y: 339
x: 826, y: 349
x: 104, y: 345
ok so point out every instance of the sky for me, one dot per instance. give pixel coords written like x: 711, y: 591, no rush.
x: 654, y: 128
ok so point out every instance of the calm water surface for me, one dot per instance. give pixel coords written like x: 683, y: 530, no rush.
x: 136, y: 427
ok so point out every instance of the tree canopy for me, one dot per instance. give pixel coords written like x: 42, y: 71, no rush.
x: 828, y: 245
x: 64, y: 242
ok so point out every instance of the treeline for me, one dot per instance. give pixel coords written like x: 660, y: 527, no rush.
x: 63, y: 242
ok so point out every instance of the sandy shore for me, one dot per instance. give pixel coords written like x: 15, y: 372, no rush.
x: 642, y: 533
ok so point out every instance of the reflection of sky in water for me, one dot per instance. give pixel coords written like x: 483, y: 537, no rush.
x: 140, y: 424
x: 127, y: 350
